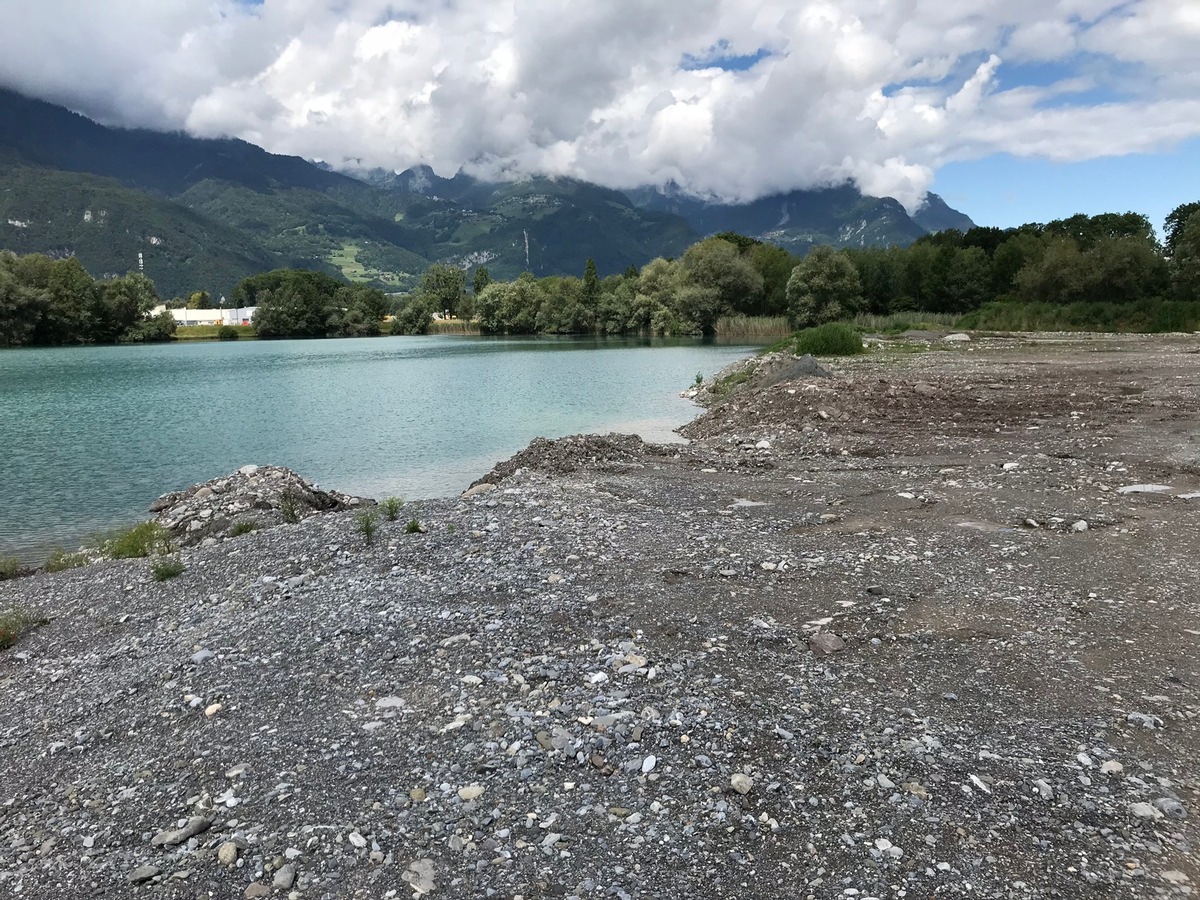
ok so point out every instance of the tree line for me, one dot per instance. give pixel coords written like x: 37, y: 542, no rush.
x: 1114, y: 258
x: 47, y: 302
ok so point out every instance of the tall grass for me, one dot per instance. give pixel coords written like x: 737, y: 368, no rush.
x: 453, y: 326
x: 1147, y: 317
x: 753, y: 326
x: 210, y: 332
x: 904, y: 321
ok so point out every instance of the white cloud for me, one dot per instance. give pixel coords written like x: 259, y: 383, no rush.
x: 881, y: 93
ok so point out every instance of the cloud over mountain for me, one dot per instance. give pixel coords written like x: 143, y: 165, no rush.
x: 722, y: 98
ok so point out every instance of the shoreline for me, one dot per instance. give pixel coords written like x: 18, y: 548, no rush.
x: 851, y: 638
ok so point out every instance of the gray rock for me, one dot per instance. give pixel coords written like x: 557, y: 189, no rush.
x: 170, y: 838
x: 826, y: 643
x: 1171, y: 807
x: 419, y: 876
x: 285, y: 878
x: 142, y: 874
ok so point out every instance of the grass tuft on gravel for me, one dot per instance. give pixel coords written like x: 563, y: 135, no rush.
x: 142, y: 540
x: 16, y: 622
x: 166, y: 567
x: 60, y: 560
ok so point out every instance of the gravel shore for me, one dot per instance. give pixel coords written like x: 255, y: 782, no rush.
x: 927, y: 627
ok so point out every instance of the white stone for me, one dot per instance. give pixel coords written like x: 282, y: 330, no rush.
x: 741, y: 783
x: 471, y: 792
x: 1145, y: 811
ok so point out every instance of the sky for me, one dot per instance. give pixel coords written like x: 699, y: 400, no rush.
x: 1013, y: 110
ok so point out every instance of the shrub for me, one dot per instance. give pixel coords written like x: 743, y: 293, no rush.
x: 60, y: 560
x: 227, y: 333
x: 391, y: 508
x: 413, y: 526
x: 240, y: 527
x: 10, y: 567
x: 366, y: 523
x: 166, y: 567
x: 14, y: 623
x: 143, y: 539
x: 289, y: 506
x: 831, y: 339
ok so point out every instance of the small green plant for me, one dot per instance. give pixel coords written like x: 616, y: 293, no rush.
x: 289, y: 506
x: 240, y: 527
x: 142, y: 540
x: 413, y: 526
x: 831, y: 339
x: 16, y: 622
x: 10, y: 567
x: 60, y: 560
x: 390, y: 506
x: 227, y: 333
x: 366, y: 523
x: 166, y: 567
x: 452, y: 528
x: 725, y: 385
x: 699, y: 379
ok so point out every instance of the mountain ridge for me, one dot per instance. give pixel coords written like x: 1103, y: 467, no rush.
x: 170, y: 190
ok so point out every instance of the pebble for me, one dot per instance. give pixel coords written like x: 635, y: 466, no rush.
x: 741, y: 783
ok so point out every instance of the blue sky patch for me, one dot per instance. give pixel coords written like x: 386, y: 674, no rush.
x: 719, y: 57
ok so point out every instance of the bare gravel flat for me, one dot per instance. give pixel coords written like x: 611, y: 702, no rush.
x: 902, y: 632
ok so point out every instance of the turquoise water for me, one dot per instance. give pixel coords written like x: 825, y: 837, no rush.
x: 89, y: 436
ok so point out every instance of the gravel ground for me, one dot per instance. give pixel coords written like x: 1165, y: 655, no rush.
x: 898, y: 632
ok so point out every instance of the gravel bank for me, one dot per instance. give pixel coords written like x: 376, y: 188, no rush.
x: 897, y: 632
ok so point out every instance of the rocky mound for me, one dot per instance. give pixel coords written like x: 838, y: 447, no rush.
x: 562, y: 456
x: 253, y: 496
x: 756, y: 373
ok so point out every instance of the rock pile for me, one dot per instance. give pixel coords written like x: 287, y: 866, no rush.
x: 253, y: 497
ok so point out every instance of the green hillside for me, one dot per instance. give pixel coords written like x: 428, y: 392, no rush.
x: 106, y: 225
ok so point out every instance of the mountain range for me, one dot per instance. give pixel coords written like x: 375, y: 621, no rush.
x: 204, y: 213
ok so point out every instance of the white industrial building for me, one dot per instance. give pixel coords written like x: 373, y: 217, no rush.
x: 239, y: 316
